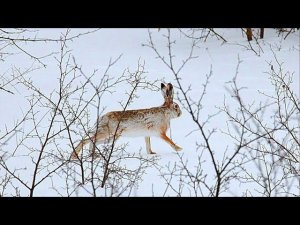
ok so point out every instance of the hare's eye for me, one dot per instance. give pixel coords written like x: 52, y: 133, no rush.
x: 175, y: 106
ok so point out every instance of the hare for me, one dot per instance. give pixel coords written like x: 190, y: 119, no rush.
x: 135, y: 123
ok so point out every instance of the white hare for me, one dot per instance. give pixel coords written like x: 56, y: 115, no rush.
x: 136, y: 123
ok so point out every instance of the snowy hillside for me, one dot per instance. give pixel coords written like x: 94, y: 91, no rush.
x: 56, y: 82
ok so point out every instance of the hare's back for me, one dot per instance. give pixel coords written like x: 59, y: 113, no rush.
x: 134, y: 123
x: 139, y: 116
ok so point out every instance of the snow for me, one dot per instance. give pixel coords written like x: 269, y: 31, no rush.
x: 93, y: 52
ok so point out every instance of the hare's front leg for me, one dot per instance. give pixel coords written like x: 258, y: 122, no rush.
x: 148, y: 146
x: 170, y: 142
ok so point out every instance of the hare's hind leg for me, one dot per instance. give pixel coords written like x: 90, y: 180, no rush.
x: 148, y: 146
x: 170, y: 142
x: 93, y: 140
x: 78, y: 149
x: 99, y: 138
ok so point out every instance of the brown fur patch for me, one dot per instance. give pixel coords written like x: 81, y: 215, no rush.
x: 149, y: 125
x: 139, y: 113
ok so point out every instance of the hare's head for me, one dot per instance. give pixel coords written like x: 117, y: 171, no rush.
x: 167, y: 92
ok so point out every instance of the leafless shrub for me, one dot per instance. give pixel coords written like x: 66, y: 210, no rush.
x: 272, y: 146
x: 277, y: 151
x: 16, y: 42
x: 43, y: 140
x: 285, y: 32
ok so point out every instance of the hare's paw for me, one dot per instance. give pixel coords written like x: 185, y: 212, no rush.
x: 177, y: 148
x: 150, y: 152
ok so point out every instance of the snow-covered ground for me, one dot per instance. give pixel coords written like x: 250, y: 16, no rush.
x: 93, y: 51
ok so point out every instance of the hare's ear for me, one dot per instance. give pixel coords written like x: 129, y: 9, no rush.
x: 170, y: 92
x: 167, y: 92
x: 163, y: 90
